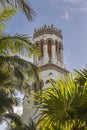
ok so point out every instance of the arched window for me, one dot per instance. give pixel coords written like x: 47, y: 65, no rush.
x: 38, y: 45
x: 49, y: 48
x: 59, y: 47
x: 41, y: 47
x: 56, y: 46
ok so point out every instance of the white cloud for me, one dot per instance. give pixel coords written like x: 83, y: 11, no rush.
x: 65, y: 16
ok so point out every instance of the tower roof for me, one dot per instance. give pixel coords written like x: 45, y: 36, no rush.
x: 47, y: 30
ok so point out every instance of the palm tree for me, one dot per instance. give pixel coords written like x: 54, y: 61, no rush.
x: 13, y: 74
x: 23, y: 5
x: 18, y: 44
x: 14, y: 70
x: 64, y: 106
x: 16, y: 73
x: 7, y: 100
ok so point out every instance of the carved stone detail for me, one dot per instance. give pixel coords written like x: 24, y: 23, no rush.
x: 47, y: 30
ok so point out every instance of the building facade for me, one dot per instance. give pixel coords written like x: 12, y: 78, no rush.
x: 51, y: 63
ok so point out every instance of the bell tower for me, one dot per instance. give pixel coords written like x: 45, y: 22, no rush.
x: 51, y: 63
x: 49, y: 40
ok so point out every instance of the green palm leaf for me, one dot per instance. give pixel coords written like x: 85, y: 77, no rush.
x: 23, y: 5
x: 17, y: 44
x: 64, y: 105
x: 5, y: 15
x: 14, y: 72
x: 81, y: 77
x: 7, y: 100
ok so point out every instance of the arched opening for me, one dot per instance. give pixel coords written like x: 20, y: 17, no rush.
x: 61, y: 52
x: 49, y: 48
x: 59, y: 47
x: 56, y: 48
x: 41, y: 47
x: 38, y: 45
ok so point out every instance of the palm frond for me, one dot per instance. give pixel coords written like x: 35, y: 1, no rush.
x: 5, y: 15
x: 17, y: 44
x: 19, y: 64
x: 63, y: 104
x: 2, y: 28
x: 81, y: 76
x: 16, y: 73
x: 14, y: 117
x: 7, y: 100
x: 23, y: 5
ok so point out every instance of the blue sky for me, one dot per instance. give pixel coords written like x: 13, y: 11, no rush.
x: 68, y: 15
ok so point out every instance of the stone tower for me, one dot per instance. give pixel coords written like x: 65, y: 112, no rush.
x: 51, y: 63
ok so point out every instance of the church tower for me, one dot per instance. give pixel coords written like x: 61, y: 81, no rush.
x: 51, y: 63
x: 49, y: 40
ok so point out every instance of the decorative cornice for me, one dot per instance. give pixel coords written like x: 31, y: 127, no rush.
x: 47, y: 30
x: 54, y: 67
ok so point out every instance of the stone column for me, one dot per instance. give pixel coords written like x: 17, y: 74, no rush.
x: 61, y: 55
x: 45, y: 59
x: 53, y: 54
x: 58, y: 52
